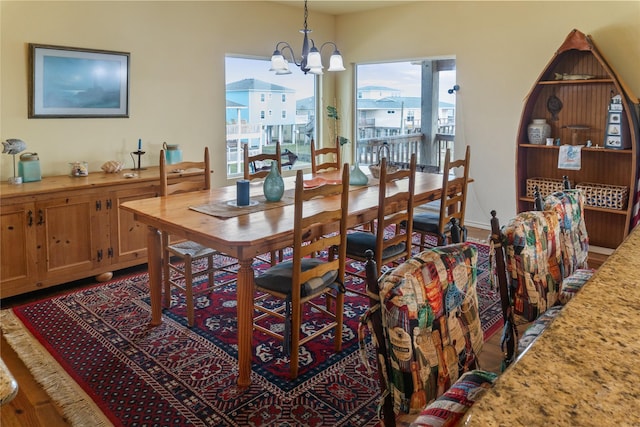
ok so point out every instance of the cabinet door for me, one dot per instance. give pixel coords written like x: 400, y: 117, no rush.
x: 18, y: 267
x: 68, y: 234
x: 129, y: 237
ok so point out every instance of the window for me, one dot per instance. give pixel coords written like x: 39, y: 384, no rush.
x: 408, y: 105
x: 253, y: 93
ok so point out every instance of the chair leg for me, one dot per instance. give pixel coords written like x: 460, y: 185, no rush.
x: 295, y: 341
x: 188, y: 286
x: 166, y: 273
x: 339, y: 312
x: 211, y: 271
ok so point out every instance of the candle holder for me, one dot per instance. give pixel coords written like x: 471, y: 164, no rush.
x: 138, y: 153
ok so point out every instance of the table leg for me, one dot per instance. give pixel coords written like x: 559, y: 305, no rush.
x: 245, y: 321
x: 154, y: 262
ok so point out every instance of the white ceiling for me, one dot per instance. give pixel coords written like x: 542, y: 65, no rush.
x: 333, y: 7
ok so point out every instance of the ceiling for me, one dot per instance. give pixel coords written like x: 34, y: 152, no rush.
x: 333, y: 7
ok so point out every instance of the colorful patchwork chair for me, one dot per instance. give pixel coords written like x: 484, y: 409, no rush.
x: 574, y: 239
x: 425, y: 322
x: 533, y: 262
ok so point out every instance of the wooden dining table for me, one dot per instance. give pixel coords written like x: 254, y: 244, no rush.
x: 246, y: 236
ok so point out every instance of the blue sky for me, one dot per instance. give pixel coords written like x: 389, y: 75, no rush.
x: 403, y: 76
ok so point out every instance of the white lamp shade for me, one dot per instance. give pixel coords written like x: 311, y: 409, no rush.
x: 284, y: 70
x: 335, y: 63
x: 316, y: 70
x: 313, y: 59
x: 278, y: 63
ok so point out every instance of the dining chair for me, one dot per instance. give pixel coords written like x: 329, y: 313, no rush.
x: 309, y: 274
x: 390, y: 235
x: 259, y: 165
x: 181, y: 273
x: 455, y: 178
x: 320, y: 157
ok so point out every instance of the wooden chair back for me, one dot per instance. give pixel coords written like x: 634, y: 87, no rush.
x: 194, y: 183
x: 251, y: 168
x: 320, y: 157
x: 310, y: 236
x: 454, y: 191
x: 392, y: 216
x: 309, y: 239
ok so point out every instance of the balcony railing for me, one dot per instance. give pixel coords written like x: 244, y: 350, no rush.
x: 400, y: 148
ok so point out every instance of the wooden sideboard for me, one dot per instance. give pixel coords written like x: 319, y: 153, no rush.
x: 66, y: 228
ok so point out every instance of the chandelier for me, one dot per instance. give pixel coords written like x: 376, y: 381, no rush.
x: 310, y: 61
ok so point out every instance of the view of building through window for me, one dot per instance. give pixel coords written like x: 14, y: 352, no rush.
x: 406, y: 105
x: 262, y: 108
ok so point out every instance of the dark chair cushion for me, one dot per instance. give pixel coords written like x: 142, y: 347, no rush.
x: 359, y: 242
x: 278, y: 278
x: 428, y: 222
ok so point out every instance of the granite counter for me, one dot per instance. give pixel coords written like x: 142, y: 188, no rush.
x: 584, y: 370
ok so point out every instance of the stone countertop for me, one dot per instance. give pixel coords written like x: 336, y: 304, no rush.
x: 584, y: 369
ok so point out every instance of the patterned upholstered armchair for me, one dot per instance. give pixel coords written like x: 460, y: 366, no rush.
x: 545, y: 255
x: 533, y: 260
x: 425, y: 323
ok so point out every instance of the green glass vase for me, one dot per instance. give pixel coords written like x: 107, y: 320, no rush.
x: 273, y: 186
x: 356, y: 176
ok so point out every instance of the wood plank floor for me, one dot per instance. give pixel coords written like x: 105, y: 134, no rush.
x: 32, y: 407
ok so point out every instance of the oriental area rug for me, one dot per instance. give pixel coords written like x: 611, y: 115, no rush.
x: 94, y: 352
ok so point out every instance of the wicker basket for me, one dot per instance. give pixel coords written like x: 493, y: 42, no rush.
x: 604, y: 195
x: 375, y: 169
x: 546, y: 186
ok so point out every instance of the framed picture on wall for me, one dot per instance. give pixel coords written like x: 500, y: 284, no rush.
x: 76, y: 82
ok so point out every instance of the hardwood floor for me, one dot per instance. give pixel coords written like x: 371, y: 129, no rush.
x: 32, y: 407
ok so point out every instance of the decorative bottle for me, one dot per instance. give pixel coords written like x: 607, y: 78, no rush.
x: 356, y: 176
x: 538, y: 131
x: 273, y: 186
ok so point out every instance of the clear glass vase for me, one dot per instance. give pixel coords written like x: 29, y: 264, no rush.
x: 273, y: 186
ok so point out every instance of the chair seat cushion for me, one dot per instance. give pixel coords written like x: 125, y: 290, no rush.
x: 449, y: 408
x: 572, y: 284
x: 278, y: 278
x: 195, y: 250
x: 359, y: 242
x: 429, y: 222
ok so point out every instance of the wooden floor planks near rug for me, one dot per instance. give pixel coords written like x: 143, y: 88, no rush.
x: 77, y: 406
x: 112, y: 368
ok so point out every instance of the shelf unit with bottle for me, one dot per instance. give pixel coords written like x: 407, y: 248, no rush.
x: 574, y: 93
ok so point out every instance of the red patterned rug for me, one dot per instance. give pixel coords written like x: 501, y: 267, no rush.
x: 172, y: 375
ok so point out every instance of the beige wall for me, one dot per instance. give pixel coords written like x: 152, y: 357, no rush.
x: 177, y: 91
x: 500, y: 48
x: 177, y: 69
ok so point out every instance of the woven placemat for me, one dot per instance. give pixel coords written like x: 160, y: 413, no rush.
x: 223, y: 209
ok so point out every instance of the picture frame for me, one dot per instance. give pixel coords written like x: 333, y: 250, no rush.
x: 70, y: 82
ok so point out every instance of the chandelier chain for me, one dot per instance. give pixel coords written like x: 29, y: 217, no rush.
x: 306, y: 14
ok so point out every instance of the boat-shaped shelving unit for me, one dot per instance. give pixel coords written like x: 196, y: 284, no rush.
x: 574, y: 94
